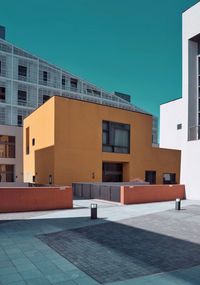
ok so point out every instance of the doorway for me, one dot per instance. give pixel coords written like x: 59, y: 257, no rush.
x: 112, y: 172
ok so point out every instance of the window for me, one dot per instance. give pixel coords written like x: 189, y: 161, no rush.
x: 33, y: 141
x: 7, y: 146
x: 115, y: 137
x: 33, y: 178
x: 179, y: 126
x: 19, y: 120
x: 22, y: 70
x: 169, y: 178
x: 27, y: 140
x: 73, y: 83
x: 63, y: 81
x: 22, y: 97
x: 45, y: 98
x: 6, y: 173
x: 2, y: 93
x: 45, y: 75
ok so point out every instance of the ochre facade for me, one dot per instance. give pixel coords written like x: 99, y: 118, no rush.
x: 65, y: 142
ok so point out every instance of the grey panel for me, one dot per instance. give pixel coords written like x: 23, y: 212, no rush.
x: 115, y: 193
x: 105, y: 193
x: 79, y: 190
x: 86, y: 191
x: 95, y: 191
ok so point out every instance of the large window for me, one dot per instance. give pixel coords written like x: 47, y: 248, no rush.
x: 6, y: 173
x: 116, y: 137
x: 7, y: 146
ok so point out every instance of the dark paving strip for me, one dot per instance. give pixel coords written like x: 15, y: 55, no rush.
x: 118, y: 251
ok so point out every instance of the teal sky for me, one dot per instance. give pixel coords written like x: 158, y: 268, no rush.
x: 129, y: 46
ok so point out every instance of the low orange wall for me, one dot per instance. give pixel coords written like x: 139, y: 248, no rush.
x: 35, y: 199
x: 151, y: 193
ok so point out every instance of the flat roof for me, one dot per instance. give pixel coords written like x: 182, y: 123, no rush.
x: 171, y: 100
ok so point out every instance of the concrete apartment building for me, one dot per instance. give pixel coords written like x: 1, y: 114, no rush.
x: 180, y: 119
x: 91, y: 142
x: 26, y: 82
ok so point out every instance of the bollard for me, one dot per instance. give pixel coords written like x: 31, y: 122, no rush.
x: 178, y: 204
x: 93, y: 208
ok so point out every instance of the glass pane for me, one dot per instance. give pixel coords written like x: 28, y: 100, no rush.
x: 105, y: 138
x: 121, y: 138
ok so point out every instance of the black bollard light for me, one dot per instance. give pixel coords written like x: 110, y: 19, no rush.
x: 93, y: 208
x: 178, y: 204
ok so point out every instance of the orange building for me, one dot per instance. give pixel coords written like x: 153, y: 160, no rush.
x: 67, y: 140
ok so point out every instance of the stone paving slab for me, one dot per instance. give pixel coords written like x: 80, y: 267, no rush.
x: 132, y: 248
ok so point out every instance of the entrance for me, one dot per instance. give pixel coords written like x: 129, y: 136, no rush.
x: 112, y: 172
x: 150, y: 176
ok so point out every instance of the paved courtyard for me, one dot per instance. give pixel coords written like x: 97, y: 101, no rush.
x: 135, y: 244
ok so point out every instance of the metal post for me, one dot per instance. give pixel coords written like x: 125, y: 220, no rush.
x: 178, y: 204
x: 93, y: 208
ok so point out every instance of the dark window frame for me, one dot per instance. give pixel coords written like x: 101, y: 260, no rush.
x: 2, y: 93
x: 22, y: 96
x: 45, y: 76
x: 22, y: 70
x: 19, y: 120
x: 109, y: 131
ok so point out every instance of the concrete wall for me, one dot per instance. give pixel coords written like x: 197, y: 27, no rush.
x: 172, y: 114
x: 18, y: 160
x: 35, y: 199
x: 77, y: 143
x: 151, y: 193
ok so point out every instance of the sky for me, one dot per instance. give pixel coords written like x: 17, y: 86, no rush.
x: 128, y: 46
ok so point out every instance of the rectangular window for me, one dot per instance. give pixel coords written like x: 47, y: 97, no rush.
x: 2, y: 94
x: 112, y: 172
x: 19, y: 120
x: 22, y: 96
x: 179, y: 126
x: 27, y: 141
x: 73, y: 83
x: 115, y: 137
x: 45, y: 98
x: 22, y: 70
x: 169, y: 178
x: 7, y: 146
x: 63, y: 80
x: 45, y: 75
x: 33, y: 141
x: 6, y: 173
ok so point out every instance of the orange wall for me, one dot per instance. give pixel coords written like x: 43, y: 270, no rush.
x: 151, y: 193
x: 77, y: 144
x: 42, y: 129
x: 35, y: 199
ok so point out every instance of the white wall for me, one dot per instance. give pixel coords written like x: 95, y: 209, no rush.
x: 17, y: 161
x: 171, y: 114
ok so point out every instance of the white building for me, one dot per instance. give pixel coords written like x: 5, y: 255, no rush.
x: 180, y: 119
x: 27, y: 81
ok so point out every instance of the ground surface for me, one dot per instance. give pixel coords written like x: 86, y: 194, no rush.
x: 136, y: 244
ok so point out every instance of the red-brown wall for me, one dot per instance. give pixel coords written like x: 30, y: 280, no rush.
x: 151, y: 193
x: 35, y: 199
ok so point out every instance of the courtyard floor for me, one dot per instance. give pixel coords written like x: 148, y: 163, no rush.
x: 136, y: 244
